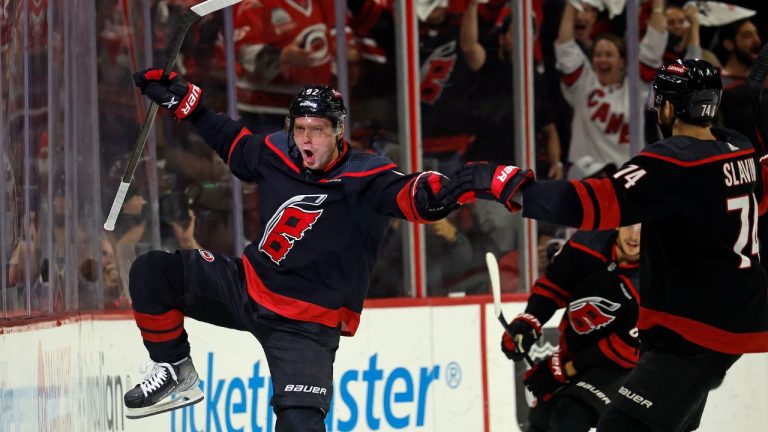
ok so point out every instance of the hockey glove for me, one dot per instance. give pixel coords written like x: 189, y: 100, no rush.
x: 423, y: 191
x: 523, y: 332
x: 546, y: 377
x: 502, y: 182
x: 175, y: 94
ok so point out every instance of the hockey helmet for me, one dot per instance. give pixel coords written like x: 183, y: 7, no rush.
x: 317, y: 101
x: 693, y: 87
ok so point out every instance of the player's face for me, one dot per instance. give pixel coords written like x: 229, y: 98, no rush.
x: 607, y: 62
x: 316, y: 140
x: 676, y: 21
x: 628, y: 242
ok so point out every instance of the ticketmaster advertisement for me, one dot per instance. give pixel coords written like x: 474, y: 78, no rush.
x: 418, y: 368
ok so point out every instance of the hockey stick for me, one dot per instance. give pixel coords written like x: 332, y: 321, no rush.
x: 493, y: 272
x: 195, y: 13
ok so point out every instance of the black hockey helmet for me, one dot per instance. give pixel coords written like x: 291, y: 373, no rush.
x: 693, y: 87
x: 317, y: 101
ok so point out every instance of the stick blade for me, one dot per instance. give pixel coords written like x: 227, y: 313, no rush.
x: 493, y: 273
x: 210, y: 6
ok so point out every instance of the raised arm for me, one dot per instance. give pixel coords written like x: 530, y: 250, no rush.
x: 474, y: 52
x: 221, y: 133
x: 565, y: 33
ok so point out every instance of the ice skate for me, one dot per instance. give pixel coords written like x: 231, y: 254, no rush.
x: 166, y: 387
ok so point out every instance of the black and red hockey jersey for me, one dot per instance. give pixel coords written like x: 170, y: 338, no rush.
x: 321, y: 231
x: 600, y: 299
x: 701, y: 275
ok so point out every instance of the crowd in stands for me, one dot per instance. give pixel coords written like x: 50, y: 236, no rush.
x: 581, y: 113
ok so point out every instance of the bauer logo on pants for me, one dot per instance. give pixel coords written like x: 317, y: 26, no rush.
x: 206, y: 255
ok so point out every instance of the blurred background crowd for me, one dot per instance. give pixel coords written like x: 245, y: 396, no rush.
x: 70, y: 116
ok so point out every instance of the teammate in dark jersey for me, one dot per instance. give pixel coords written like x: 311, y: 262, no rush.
x: 594, y: 277
x: 301, y: 284
x: 703, y: 291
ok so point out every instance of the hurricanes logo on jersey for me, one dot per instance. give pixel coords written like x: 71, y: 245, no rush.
x: 289, y: 224
x: 591, y: 313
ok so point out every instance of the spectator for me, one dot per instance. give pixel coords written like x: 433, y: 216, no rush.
x: 684, y: 35
x: 447, y: 86
x: 599, y: 93
x: 594, y: 277
x: 740, y: 43
x: 584, y: 24
x: 280, y: 46
x: 447, y: 250
x: 494, y: 100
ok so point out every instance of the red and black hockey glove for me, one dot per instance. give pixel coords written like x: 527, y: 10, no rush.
x: 418, y: 199
x: 174, y: 94
x: 523, y: 332
x: 502, y: 182
x: 546, y: 377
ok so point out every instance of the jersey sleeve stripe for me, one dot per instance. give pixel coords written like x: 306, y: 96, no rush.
x: 243, y: 132
x: 594, y: 253
x: 277, y: 151
x: 698, y: 162
x: 618, y: 351
x: 587, y: 206
x: 546, y: 283
x: 605, y: 196
x: 544, y: 292
x: 570, y: 78
x: 647, y: 73
x: 705, y: 335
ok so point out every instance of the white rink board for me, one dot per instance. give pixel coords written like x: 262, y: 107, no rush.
x: 64, y: 378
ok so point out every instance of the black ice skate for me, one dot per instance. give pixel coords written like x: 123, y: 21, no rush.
x: 166, y: 387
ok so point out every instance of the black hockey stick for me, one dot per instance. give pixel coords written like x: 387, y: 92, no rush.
x: 493, y: 272
x: 195, y: 13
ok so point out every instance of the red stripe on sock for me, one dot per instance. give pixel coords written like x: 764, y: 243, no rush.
x: 163, y: 322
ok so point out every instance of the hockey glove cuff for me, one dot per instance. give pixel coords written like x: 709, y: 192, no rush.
x: 183, y: 99
x: 487, y: 179
x: 523, y: 332
x: 418, y: 199
x: 546, y: 377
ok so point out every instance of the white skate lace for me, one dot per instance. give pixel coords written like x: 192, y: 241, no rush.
x: 156, y: 377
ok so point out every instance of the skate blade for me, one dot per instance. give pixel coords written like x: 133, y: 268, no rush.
x: 184, y: 398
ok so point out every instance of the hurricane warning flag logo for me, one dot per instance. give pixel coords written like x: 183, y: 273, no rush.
x: 591, y: 313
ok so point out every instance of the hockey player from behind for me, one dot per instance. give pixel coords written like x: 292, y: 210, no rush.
x: 594, y: 277
x: 300, y: 285
x: 703, y: 297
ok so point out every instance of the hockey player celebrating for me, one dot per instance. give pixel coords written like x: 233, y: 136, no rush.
x: 594, y: 278
x: 703, y: 298
x: 301, y: 285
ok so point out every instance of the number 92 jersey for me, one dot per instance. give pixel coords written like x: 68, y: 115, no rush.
x: 700, y: 275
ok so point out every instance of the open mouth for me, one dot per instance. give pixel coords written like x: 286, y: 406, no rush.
x: 307, y: 153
